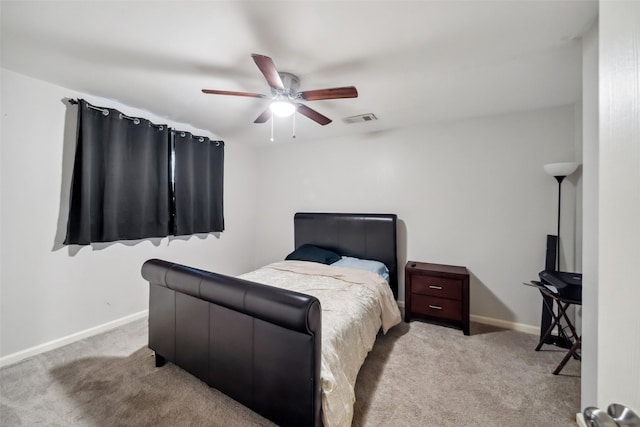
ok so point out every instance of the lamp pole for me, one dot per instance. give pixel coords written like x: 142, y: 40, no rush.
x: 559, y: 171
x: 559, y: 178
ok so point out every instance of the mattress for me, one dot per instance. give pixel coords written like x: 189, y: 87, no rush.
x: 356, y: 304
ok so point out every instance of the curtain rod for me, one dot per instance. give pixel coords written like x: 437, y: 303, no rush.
x: 199, y: 138
x: 136, y: 121
x: 106, y: 112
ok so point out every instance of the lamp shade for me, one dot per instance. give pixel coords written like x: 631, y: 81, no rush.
x: 560, y: 169
x: 282, y: 108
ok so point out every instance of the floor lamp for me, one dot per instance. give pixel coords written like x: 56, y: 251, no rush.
x: 559, y: 171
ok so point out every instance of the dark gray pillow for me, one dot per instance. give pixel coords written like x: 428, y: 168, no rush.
x: 313, y: 253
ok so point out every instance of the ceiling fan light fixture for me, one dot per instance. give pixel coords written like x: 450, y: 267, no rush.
x: 282, y: 108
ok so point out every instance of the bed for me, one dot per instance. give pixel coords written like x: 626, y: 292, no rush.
x: 286, y: 340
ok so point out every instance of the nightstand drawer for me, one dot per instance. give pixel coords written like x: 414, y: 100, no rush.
x: 436, y: 307
x: 436, y: 286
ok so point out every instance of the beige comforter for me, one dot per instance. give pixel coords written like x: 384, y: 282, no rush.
x: 355, y: 305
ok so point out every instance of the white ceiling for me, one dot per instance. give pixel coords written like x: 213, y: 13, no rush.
x: 411, y: 61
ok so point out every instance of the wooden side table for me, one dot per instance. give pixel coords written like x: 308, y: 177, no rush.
x: 437, y: 293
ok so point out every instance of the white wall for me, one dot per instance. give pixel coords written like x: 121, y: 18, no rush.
x: 49, y: 291
x: 470, y: 193
x: 618, y: 360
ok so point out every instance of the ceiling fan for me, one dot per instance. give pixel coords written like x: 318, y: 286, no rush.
x: 284, y: 93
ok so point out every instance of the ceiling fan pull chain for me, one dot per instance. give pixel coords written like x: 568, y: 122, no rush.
x: 294, y: 126
x: 272, y: 119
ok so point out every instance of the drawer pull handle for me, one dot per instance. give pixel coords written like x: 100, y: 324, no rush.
x: 435, y: 307
x: 435, y: 287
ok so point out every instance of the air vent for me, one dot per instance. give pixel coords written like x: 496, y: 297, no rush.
x: 369, y: 117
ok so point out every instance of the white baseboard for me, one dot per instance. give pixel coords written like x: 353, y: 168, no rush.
x: 529, y: 329
x: 580, y: 420
x: 33, y: 351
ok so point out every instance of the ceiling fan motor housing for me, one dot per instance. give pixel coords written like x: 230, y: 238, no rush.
x: 291, y: 84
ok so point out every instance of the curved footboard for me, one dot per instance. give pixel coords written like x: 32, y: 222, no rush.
x: 258, y: 344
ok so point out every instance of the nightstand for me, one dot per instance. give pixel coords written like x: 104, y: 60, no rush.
x: 437, y: 293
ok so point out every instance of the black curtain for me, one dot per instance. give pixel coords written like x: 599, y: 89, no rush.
x: 120, y: 185
x: 198, y: 184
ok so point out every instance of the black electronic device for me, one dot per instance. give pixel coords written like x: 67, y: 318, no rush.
x: 568, y: 285
x: 552, y: 247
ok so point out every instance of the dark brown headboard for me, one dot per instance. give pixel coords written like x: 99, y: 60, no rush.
x: 366, y: 236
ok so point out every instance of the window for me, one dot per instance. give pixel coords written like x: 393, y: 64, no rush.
x: 124, y: 186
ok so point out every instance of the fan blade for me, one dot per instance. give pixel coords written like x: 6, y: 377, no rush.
x: 333, y: 93
x: 266, y: 115
x: 230, y: 92
x: 268, y: 69
x: 313, y: 114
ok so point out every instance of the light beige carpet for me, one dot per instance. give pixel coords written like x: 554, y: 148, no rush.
x: 417, y: 375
